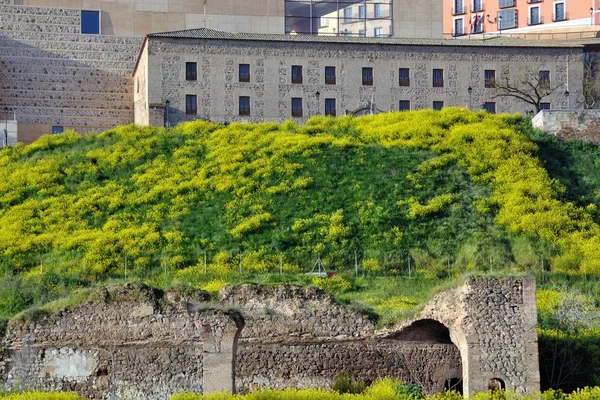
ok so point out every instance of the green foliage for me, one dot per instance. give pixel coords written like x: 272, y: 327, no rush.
x: 41, y: 396
x: 345, y: 383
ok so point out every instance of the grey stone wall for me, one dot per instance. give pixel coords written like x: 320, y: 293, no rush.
x: 132, y: 342
x: 270, y: 88
x: 54, y: 76
x: 570, y: 124
x: 125, y: 342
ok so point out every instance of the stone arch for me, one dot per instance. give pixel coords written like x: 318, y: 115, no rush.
x: 445, y: 368
x: 496, y: 384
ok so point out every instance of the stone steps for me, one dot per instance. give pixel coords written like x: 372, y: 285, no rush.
x: 66, y: 63
x: 131, y: 49
x: 44, y: 87
x: 25, y: 27
x: 99, y: 124
x: 40, y: 19
x: 59, y: 37
x: 82, y: 114
x: 78, y: 104
x: 68, y: 54
x: 29, y: 69
x: 68, y: 79
x: 9, y: 8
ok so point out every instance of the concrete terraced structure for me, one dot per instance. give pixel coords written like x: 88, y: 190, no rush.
x: 131, y: 341
x: 53, y: 76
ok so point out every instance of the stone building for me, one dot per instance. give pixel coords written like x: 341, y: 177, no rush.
x: 225, y: 77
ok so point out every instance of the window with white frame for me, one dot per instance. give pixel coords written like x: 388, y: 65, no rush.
x: 458, y: 27
x: 378, y: 10
x: 507, y: 19
x: 348, y: 14
x: 477, y: 6
x: 477, y: 23
x: 362, y: 14
x: 459, y: 7
x: 506, y: 3
x: 559, y: 12
x: 534, y: 15
x: 362, y: 33
x: 378, y: 32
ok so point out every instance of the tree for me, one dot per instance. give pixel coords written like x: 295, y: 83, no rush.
x: 591, y: 91
x: 529, y: 85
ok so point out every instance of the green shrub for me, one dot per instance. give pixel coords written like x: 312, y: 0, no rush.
x: 345, y: 383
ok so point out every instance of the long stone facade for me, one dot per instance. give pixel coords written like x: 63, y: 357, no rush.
x: 581, y: 125
x: 438, y: 73
x: 133, y: 342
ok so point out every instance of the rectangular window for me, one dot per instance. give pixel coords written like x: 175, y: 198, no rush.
x: 362, y: 14
x: 244, y: 73
x: 438, y: 105
x: 378, y: 32
x: 506, y: 3
x: 57, y: 129
x: 296, y: 74
x: 438, y: 78
x: 323, y: 22
x: 544, y: 106
x: 534, y: 16
x: 477, y: 6
x: 544, y: 78
x: 559, y: 12
x: 367, y: 76
x: 490, y: 107
x: 507, y: 19
x: 378, y: 10
x: 490, y: 78
x: 458, y: 27
x: 403, y: 77
x: 191, y: 104
x: 458, y: 7
x: 244, y: 105
x: 348, y: 14
x: 90, y: 22
x: 330, y: 107
x: 404, y: 105
x: 191, y: 71
x: 330, y: 75
x: 296, y: 107
x: 362, y: 33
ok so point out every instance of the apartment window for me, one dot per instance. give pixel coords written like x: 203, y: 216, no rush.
x: 296, y: 74
x: 244, y: 73
x: 490, y: 107
x: 458, y: 7
x: 458, y: 27
x: 559, y: 12
x: 296, y: 106
x: 438, y: 78
x: 323, y: 22
x: 330, y: 75
x: 534, y: 1
x: 367, y: 76
x: 57, y: 129
x: 477, y: 23
x: 191, y: 104
x: 90, y: 22
x: 438, y: 105
x: 378, y: 10
x: 330, y: 107
x: 348, y: 14
x: 362, y: 12
x: 507, y: 19
x: 191, y: 71
x: 378, y: 32
x: 403, y: 77
x: 534, y: 16
x: 362, y: 33
x: 544, y: 78
x: 404, y: 105
x: 506, y: 3
x: 477, y: 6
x: 244, y: 105
x: 544, y: 106
x: 490, y: 78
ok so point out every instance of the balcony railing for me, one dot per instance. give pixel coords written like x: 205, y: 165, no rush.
x: 477, y: 7
x: 535, y: 21
x: 458, y: 10
x: 560, y: 17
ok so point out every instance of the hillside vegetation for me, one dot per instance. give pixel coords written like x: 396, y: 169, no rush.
x: 439, y: 192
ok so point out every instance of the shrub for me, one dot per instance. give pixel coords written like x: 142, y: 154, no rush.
x: 345, y: 383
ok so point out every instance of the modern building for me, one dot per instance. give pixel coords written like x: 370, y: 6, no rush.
x: 225, y: 77
x: 475, y: 17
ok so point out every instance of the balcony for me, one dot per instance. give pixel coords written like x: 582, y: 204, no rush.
x: 460, y: 10
x: 507, y: 3
x: 477, y: 28
x: 535, y: 21
x: 560, y: 17
x: 477, y: 7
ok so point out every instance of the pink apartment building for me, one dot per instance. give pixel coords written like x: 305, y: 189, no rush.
x: 476, y: 17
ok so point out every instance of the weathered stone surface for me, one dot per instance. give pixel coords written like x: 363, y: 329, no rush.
x: 570, y: 124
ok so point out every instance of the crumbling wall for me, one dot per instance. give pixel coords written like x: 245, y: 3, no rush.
x: 126, y: 342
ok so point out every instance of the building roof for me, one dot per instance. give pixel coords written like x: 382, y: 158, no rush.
x: 498, y: 41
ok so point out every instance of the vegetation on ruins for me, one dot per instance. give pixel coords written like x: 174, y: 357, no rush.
x: 394, y: 204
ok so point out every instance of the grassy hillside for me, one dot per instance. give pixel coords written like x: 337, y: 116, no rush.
x: 436, y: 192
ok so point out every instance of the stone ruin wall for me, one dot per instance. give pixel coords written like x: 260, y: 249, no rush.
x: 130, y: 341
